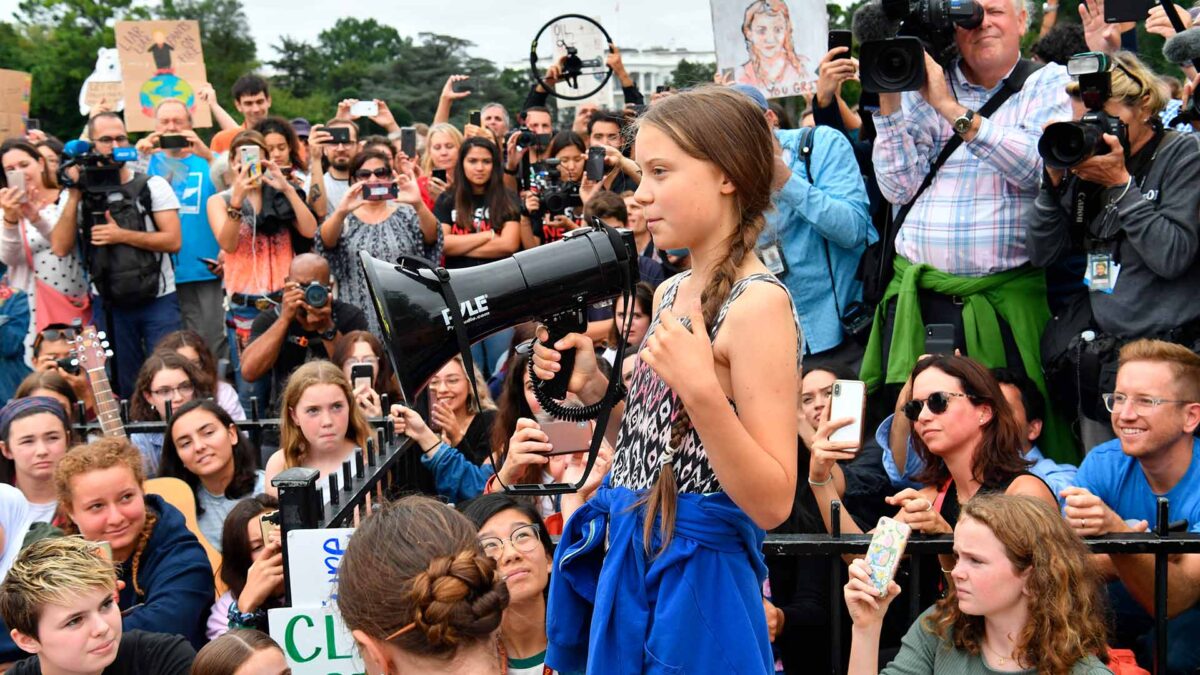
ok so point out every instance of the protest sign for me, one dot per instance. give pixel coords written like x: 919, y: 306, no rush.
x: 592, y: 47
x: 774, y: 45
x: 14, y: 102
x: 315, y: 641
x: 313, y: 560
x: 160, y: 60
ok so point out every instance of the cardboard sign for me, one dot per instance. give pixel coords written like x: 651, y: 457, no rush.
x: 96, y: 92
x: 774, y: 46
x: 313, y: 560
x: 315, y: 641
x: 14, y: 102
x: 160, y: 60
x: 591, y: 44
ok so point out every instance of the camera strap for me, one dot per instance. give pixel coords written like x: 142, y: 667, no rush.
x: 1012, y: 84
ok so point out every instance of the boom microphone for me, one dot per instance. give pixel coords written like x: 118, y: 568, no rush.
x: 1183, y: 48
x: 871, y: 22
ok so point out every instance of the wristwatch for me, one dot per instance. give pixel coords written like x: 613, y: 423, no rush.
x: 962, y: 123
x: 330, y: 334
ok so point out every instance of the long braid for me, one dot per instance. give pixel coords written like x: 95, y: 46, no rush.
x: 663, y: 496
x: 143, y: 540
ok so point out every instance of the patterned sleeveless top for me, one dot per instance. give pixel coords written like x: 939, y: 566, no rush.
x: 643, y: 445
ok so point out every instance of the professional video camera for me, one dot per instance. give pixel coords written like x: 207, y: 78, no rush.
x: 555, y: 195
x: 98, y: 174
x: 1065, y: 144
x: 895, y: 34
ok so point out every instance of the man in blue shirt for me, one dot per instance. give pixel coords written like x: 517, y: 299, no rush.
x: 201, y: 295
x: 1155, y: 411
x: 819, y: 228
x: 1028, y: 406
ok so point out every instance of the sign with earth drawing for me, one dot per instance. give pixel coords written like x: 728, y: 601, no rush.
x: 160, y: 60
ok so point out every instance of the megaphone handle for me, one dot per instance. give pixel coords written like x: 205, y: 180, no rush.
x: 558, y: 327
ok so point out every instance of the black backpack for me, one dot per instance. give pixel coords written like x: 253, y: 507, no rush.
x: 124, y: 275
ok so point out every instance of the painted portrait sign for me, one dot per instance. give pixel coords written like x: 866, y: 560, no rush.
x: 774, y: 45
x: 160, y: 60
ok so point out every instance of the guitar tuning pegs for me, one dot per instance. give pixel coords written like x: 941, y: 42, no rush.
x: 108, y: 353
x: 104, y: 344
x: 101, y: 335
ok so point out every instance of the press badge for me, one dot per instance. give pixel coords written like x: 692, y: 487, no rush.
x: 772, y: 257
x: 1102, y: 272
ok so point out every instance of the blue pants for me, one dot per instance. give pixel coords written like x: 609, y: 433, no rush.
x: 134, y: 334
x: 240, y: 317
x: 1135, y: 630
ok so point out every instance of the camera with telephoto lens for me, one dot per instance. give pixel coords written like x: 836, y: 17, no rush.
x: 526, y: 138
x: 897, y: 63
x: 554, y: 194
x: 1066, y: 144
x: 315, y: 295
x: 98, y: 173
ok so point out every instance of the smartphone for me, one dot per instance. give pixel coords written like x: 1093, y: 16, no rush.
x: 848, y: 400
x: 464, y: 85
x: 174, y: 142
x: 1120, y: 11
x: 380, y: 193
x: 568, y: 437
x: 841, y: 38
x: 661, y: 89
x: 476, y: 118
x: 268, y: 524
x: 595, y: 164
x: 364, y: 109
x: 939, y: 339
x: 32, y: 124
x: 408, y: 141
x: 338, y: 134
x: 16, y: 181
x: 440, y: 174
x: 211, y: 262
x: 252, y: 158
x: 361, y: 375
x: 886, y: 549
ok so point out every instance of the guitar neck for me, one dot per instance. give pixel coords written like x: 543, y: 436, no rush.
x: 108, y: 410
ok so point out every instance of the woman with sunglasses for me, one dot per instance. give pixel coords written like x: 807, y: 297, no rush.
x: 165, y: 378
x: 966, y: 434
x: 381, y: 213
x: 512, y: 533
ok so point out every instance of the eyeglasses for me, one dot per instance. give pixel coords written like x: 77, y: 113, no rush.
x: 1143, y: 405
x: 56, y: 334
x: 184, y: 389
x: 524, y: 539
x: 938, y: 401
x: 382, y: 172
x: 109, y: 140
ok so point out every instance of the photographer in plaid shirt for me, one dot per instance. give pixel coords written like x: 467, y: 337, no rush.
x: 962, y: 244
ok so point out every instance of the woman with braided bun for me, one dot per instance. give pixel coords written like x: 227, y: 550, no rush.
x: 706, y: 456
x: 167, y: 576
x: 419, y: 595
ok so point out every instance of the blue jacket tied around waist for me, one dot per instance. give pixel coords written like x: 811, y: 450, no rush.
x: 694, y: 608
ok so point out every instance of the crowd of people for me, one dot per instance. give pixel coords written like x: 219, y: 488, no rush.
x: 1021, y: 329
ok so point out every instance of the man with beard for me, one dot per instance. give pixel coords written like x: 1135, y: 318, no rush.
x: 329, y: 164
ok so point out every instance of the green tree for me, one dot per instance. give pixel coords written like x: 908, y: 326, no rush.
x: 229, y: 51
x: 688, y: 74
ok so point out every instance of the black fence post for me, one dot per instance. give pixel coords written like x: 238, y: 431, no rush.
x: 1161, y: 528
x: 299, y: 509
x: 835, y: 579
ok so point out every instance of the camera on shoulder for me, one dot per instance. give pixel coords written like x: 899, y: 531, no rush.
x: 895, y: 35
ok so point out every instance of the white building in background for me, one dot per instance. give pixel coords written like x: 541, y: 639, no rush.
x: 649, y: 68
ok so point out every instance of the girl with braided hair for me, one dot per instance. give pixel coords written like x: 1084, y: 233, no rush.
x: 168, y: 580
x: 419, y: 595
x: 706, y: 456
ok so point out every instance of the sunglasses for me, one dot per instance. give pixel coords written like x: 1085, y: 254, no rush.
x: 109, y: 140
x: 382, y: 172
x: 55, y: 334
x: 937, y: 402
